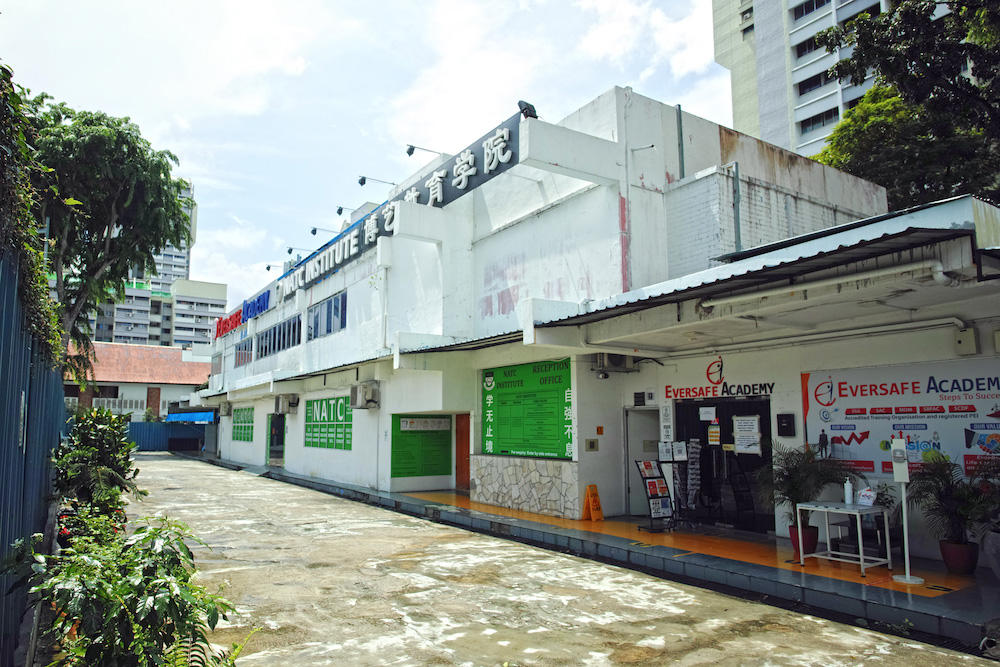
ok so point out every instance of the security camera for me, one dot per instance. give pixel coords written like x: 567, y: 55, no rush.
x: 602, y: 375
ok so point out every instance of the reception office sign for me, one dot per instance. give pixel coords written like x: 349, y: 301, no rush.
x: 528, y: 410
x: 947, y: 408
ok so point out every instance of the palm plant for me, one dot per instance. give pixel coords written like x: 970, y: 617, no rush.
x: 952, y: 504
x: 799, y: 476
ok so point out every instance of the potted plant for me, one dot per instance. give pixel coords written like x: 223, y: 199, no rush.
x: 799, y: 476
x: 954, y: 505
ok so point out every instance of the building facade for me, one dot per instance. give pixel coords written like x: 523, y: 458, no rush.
x: 534, y: 327
x: 781, y: 92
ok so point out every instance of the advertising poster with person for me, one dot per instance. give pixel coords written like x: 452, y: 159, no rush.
x: 950, y: 409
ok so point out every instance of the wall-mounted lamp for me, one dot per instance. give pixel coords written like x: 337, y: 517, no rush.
x: 320, y: 229
x: 410, y: 148
x: 290, y: 249
x: 275, y: 265
x: 364, y: 179
x: 341, y: 209
x: 527, y: 109
x: 602, y: 375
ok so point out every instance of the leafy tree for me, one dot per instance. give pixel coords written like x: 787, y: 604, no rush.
x: 918, y: 156
x: 111, y: 204
x: 948, y: 63
x: 18, y: 237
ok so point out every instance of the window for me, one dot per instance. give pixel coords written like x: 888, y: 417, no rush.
x: 279, y: 337
x: 243, y: 424
x: 819, y: 120
x: 327, y: 317
x: 244, y: 349
x: 812, y: 83
x: 808, y: 7
x: 805, y: 47
x: 873, y: 11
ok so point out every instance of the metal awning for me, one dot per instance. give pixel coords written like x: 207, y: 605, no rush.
x: 191, y: 417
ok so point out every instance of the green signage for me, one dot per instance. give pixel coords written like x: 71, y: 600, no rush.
x: 243, y: 424
x: 421, y: 445
x: 329, y: 422
x: 528, y: 410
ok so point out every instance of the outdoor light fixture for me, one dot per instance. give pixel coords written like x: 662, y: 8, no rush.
x: 341, y: 209
x: 363, y: 179
x: 410, y: 148
x: 315, y: 229
x: 527, y: 110
x: 290, y: 249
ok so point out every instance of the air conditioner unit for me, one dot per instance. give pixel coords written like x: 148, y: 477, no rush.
x: 364, y: 396
x: 615, y: 363
x: 226, y: 409
x: 286, y: 404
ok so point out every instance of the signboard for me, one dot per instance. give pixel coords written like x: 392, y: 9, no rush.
x: 746, y: 433
x: 667, y: 422
x: 243, y: 424
x: 950, y: 409
x: 329, y: 423
x: 706, y: 414
x: 487, y: 157
x: 250, y: 309
x: 528, y: 410
x: 421, y: 445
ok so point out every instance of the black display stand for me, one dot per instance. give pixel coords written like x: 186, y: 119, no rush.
x: 661, y: 509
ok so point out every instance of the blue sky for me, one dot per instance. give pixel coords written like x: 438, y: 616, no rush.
x: 275, y: 108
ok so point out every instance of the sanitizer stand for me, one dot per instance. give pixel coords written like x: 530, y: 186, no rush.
x: 901, y: 473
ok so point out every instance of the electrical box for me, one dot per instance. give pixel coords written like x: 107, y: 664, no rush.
x: 786, y: 424
x: 965, y: 341
x: 225, y: 409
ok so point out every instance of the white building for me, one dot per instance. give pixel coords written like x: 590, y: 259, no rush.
x: 781, y: 92
x: 483, y: 340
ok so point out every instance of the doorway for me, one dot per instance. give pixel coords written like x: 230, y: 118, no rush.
x: 728, y: 481
x: 642, y: 435
x: 276, y: 440
x: 462, y: 453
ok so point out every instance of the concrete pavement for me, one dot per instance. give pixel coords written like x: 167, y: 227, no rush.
x: 336, y: 582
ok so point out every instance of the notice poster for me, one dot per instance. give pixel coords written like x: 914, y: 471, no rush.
x: 951, y: 409
x: 528, y: 410
x: 746, y: 433
x: 421, y: 446
x: 649, y: 468
x: 659, y: 508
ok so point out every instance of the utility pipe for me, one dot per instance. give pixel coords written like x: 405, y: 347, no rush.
x: 680, y: 140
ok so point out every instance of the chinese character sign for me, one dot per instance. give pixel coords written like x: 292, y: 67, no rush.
x: 528, y: 410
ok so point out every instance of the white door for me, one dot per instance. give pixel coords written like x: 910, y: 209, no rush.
x: 642, y: 428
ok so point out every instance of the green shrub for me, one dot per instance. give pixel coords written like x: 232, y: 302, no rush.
x: 93, y: 465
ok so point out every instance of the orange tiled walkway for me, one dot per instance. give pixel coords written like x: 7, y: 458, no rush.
x: 764, y: 552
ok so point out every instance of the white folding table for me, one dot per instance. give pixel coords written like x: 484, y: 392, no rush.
x: 851, y: 509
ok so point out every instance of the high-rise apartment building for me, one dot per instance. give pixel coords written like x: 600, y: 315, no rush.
x: 781, y: 92
x: 165, y: 308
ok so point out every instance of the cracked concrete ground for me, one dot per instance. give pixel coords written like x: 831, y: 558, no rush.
x: 335, y: 582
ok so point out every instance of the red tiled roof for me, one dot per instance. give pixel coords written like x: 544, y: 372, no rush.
x: 150, y: 364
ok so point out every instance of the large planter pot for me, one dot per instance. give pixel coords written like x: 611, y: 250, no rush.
x: 810, y: 538
x: 991, y: 547
x: 960, y: 558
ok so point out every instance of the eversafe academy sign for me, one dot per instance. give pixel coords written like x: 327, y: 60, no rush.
x: 488, y: 157
x: 716, y: 386
x: 249, y: 310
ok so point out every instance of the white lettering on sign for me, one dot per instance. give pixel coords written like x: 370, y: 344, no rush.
x: 495, y: 150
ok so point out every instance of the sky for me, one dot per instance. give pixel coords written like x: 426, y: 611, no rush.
x: 274, y: 109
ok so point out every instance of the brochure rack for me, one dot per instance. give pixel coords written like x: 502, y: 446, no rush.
x: 661, y: 509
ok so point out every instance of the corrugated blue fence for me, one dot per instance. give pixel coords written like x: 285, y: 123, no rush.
x: 159, y: 436
x: 32, y: 419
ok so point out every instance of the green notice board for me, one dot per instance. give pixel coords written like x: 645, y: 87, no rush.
x: 421, y: 445
x: 528, y: 410
x: 329, y: 423
x: 243, y: 424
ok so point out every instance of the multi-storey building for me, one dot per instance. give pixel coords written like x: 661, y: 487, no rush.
x: 165, y: 308
x: 781, y: 92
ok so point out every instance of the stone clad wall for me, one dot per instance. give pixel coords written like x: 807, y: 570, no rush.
x: 544, y: 486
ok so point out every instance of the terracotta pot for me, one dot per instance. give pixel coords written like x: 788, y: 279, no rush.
x: 960, y: 558
x: 991, y: 547
x: 810, y: 538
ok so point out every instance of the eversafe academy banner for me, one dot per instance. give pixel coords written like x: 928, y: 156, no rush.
x: 952, y: 408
